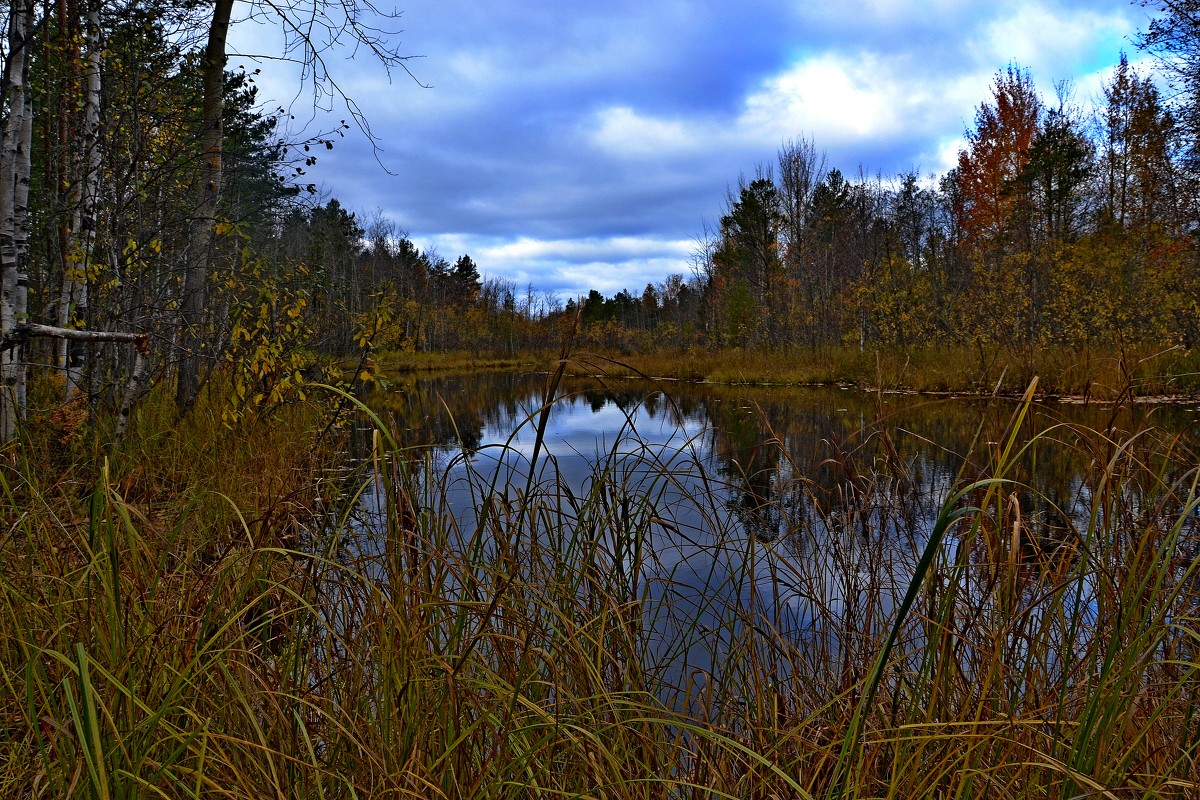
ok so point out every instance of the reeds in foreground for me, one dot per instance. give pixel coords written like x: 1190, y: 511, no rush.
x: 530, y: 649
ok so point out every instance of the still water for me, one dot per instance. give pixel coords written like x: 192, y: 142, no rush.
x: 796, y: 512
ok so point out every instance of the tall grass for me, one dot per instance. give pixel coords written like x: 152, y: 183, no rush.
x: 546, y: 645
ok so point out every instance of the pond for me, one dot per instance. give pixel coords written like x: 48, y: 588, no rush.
x: 780, y: 525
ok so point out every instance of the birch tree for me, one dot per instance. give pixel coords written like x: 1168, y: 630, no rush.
x: 16, y: 141
x: 15, y: 144
x: 80, y: 245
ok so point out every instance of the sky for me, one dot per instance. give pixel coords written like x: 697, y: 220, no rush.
x: 581, y: 144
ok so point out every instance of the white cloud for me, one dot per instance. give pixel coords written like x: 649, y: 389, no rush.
x: 623, y: 131
x: 571, y: 267
x: 945, y: 156
x: 834, y: 96
x: 844, y: 96
x: 617, y: 247
x: 1052, y: 38
x: 831, y: 97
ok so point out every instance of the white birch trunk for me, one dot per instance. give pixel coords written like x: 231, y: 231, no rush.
x: 73, y: 304
x: 129, y: 396
x: 24, y: 224
x: 14, y: 194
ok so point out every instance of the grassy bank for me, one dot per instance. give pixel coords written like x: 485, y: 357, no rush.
x: 1101, y: 374
x: 396, y: 363
x: 183, y: 624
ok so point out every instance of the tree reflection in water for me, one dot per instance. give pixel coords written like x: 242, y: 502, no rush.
x: 782, y: 525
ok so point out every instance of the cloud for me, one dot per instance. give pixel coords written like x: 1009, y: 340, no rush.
x: 843, y: 98
x: 623, y: 132
x: 835, y: 96
x: 844, y: 102
x: 587, y: 250
x: 571, y: 267
x: 1056, y: 39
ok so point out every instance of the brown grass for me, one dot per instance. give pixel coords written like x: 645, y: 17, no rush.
x: 195, y: 627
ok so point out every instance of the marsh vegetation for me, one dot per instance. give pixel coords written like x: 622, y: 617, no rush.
x: 718, y: 599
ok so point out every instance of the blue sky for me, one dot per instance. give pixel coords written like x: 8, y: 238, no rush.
x: 579, y: 145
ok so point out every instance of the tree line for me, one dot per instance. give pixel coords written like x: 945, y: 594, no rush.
x: 1060, y: 225
x: 1057, y: 226
x: 158, y: 227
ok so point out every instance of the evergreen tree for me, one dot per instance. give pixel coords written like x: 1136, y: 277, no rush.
x: 464, y: 280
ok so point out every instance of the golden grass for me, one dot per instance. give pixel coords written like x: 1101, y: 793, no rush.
x: 397, y: 362
x: 177, y: 633
x: 1100, y: 375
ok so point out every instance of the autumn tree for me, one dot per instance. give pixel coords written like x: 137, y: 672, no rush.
x: 1136, y: 163
x: 995, y: 214
x: 996, y: 154
x: 801, y: 169
x: 1173, y: 37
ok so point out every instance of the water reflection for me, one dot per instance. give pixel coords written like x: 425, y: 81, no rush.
x: 795, y: 512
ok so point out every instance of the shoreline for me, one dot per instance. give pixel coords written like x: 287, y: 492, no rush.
x: 1151, y: 377
x: 948, y: 394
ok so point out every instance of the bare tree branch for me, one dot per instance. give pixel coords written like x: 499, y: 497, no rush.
x: 25, y: 331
